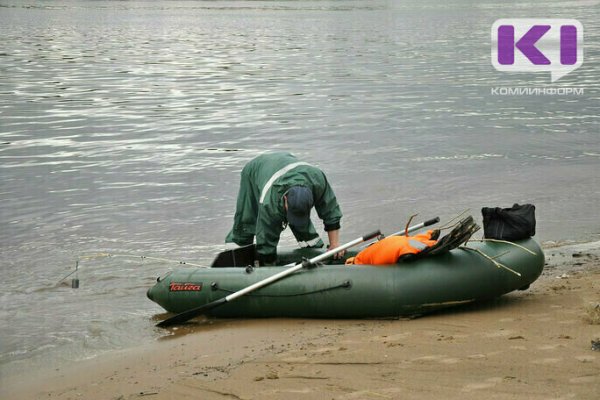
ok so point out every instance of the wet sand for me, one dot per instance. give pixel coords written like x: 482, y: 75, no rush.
x: 534, y: 344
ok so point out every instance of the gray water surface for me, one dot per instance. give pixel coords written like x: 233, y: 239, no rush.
x: 124, y: 125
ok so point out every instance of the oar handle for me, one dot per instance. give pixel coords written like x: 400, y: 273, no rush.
x: 371, y: 235
x: 431, y: 221
x: 417, y: 227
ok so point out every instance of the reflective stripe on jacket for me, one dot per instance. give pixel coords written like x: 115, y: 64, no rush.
x: 390, y: 249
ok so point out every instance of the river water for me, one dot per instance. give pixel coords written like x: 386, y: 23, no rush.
x: 124, y: 126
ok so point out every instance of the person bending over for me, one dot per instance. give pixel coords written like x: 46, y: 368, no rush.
x: 277, y: 190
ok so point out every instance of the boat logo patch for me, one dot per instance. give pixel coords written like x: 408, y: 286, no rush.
x: 185, y: 287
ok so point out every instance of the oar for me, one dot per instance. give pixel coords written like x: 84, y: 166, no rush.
x: 187, y: 315
x: 417, y: 227
x: 410, y: 229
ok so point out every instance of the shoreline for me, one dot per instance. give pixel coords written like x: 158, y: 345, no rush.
x: 532, y: 344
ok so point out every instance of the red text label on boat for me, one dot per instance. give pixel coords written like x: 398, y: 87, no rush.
x: 185, y: 287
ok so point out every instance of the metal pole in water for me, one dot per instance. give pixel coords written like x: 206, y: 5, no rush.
x: 75, y: 281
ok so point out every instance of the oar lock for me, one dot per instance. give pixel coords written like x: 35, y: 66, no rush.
x: 308, y: 264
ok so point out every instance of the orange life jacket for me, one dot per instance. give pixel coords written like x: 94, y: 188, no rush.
x: 388, y: 250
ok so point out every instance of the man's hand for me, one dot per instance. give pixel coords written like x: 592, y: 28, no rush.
x: 334, y: 241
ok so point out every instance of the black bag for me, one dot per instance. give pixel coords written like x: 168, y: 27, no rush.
x: 515, y: 223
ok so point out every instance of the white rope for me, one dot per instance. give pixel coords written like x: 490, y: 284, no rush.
x: 157, y: 259
x: 496, y: 263
x: 107, y: 255
x: 506, y: 241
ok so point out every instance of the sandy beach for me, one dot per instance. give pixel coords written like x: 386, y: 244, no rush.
x: 535, y: 344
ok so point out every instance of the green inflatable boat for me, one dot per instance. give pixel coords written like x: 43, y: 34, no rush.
x: 480, y: 271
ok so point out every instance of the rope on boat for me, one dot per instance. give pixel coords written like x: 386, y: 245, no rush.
x: 492, y: 259
x: 507, y: 242
x: 345, y: 285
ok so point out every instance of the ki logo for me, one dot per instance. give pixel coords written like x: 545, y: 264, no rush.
x: 536, y: 45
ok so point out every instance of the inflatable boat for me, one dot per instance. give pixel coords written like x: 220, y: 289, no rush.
x: 481, y: 270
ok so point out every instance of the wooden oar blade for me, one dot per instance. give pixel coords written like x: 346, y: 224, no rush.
x: 193, y: 313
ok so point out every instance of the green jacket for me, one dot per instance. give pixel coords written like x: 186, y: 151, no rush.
x: 260, y: 206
